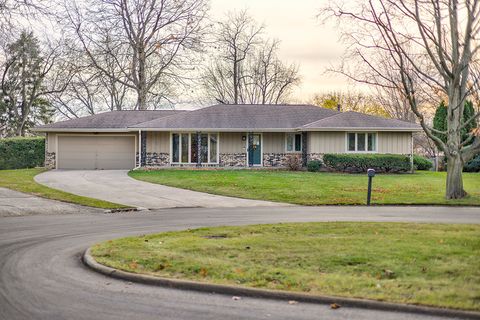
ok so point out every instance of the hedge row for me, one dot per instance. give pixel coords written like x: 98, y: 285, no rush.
x: 422, y: 163
x: 18, y: 153
x: 356, y: 163
x: 473, y: 165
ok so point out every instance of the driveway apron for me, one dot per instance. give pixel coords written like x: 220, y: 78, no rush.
x: 116, y: 186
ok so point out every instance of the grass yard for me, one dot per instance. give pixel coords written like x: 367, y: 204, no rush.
x: 22, y: 180
x: 307, y: 188
x: 427, y: 264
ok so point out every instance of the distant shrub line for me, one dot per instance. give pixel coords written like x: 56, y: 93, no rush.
x: 19, y: 153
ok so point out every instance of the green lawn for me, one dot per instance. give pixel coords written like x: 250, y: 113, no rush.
x: 428, y: 264
x: 22, y: 180
x: 306, y: 188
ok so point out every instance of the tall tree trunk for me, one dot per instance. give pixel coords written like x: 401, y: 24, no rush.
x: 142, y: 81
x: 454, y: 178
x: 454, y: 139
x: 235, y: 81
x: 141, y: 99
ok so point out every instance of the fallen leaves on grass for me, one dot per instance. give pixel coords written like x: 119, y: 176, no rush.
x: 203, y: 272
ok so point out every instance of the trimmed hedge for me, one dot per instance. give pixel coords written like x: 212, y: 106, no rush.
x: 473, y: 165
x: 314, y: 165
x: 356, y: 163
x: 422, y: 163
x: 19, y: 153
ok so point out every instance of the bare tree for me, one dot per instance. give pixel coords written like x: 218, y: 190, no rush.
x: 350, y: 101
x: 238, y: 35
x: 12, y: 10
x: 395, y: 103
x: 91, y: 90
x: 246, y: 68
x: 429, y: 44
x: 149, y: 41
x: 268, y: 79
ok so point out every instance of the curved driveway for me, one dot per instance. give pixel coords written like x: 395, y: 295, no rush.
x: 42, y: 277
x: 116, y: 186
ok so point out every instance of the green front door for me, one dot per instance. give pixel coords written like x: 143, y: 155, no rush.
x: 255, y: 149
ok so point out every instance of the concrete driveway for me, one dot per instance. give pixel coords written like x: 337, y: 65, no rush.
x: 14, y: 203
x: 116, y: 186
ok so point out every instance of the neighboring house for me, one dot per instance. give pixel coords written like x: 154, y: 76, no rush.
x: 220, y: 135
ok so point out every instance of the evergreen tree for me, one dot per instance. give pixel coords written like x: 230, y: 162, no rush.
x: 440, y: 121
x: 21, y: 104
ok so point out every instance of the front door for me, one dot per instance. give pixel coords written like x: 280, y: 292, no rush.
x: 255, y: 149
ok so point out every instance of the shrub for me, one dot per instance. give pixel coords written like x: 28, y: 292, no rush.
x: 422, y: 163
x: 18, y: 153
x: 294, y: 162
x: 473, y: 165
x: 356, y: 163
x: 314, y: 165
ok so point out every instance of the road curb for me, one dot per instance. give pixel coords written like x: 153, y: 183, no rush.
x: 90, y: 262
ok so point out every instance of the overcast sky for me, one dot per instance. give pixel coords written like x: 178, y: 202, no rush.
x: 314, y: 47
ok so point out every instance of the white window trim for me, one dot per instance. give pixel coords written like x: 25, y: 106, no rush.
x: 366, y: 142
x: 190, y: 148
x: 286, y: 142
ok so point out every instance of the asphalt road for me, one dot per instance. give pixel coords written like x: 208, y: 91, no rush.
x: 42, y: 277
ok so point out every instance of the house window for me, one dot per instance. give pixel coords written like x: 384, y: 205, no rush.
x: 213, y: 147
x: 294, y: 142
x: 175, y: 147
x: 361, y: 142
x: 185, y: 148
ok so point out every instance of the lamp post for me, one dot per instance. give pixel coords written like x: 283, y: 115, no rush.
x: 371, y: 174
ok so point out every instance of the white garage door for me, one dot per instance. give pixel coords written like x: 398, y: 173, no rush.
x: 96, y: 152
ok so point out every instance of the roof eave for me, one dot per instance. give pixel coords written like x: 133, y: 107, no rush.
x: 226, y: 129
x: 363, y: 129
x: 218, y: 129
x: 81, y: 130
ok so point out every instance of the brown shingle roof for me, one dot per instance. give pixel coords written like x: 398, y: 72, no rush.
x: 245, y: 116
x: 356, y: 120
x: 110, y: 120
x: 233, y: 117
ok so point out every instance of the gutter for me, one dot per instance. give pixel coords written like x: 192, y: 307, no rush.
x: 299, y: 129
x: 364, y: 129
x: 89, y: 130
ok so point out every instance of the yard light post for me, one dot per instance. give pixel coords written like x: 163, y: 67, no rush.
x: 371, y: 174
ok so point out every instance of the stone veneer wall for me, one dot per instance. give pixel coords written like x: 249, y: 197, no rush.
x: 276, y: 159
x: 154, y: 159
x: 50, y: 157
x: 315, y: 156
x: 233, y: 159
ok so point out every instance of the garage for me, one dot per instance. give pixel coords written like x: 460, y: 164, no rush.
x: 96, y: 152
